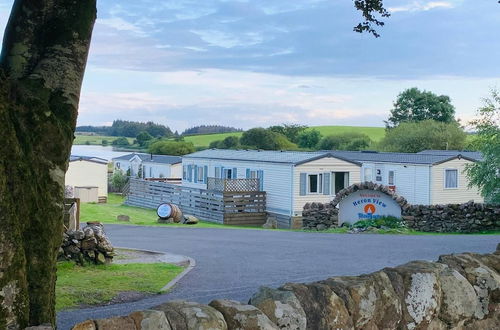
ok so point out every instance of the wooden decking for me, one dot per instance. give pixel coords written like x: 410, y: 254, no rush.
x: 235, y: 208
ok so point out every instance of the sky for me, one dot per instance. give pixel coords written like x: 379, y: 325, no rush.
x: 249, y: 63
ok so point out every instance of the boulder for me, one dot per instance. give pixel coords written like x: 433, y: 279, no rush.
x: 371, y: 300
x: 241, y: 317
x: 116, y: 323
x: 271, y: 223
x: 322, y: 307
x: 417, y: 284
x: 484, y: 279
x: 184, y: 315
x: 281, y: 307
x: 86, y: 325
x: 40, y: 327
x: 123, y: 217
x: 190, y: 219
x: 150, y: 320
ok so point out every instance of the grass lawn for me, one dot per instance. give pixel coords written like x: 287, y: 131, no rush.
x: 92, y: 285
x: 106, y: 213
x: 97, y: 139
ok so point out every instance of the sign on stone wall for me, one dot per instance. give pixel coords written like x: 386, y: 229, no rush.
x: 367, y: 204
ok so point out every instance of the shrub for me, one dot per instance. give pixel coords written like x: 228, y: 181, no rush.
x: 382, y: 222
x: 121, y: 141
x: 118, y: 180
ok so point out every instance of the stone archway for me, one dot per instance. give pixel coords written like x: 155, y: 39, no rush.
x: 368, y: 200
x: 369, y: 186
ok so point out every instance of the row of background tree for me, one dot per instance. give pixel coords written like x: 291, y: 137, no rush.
x: 419, y: 120
x: 131, y: 129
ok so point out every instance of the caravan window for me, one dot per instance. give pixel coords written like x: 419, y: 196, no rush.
x: 200, y: 174
x: 451, y: 179
x: 315, y: 183
x: 228, y: 173
x: 390, y: 180
x: 368, y: 174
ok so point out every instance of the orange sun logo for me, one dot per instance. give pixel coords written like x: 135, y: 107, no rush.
x: 369, y: 208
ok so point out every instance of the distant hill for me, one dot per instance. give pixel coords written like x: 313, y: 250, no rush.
x: 128, y: 129
x: 375, y: 133
x: 210, y: 129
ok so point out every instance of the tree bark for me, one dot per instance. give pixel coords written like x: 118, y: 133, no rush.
x: 42, y: 64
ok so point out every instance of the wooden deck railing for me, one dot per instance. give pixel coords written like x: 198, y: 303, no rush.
x: 236, y: 208
x: 233, y: 185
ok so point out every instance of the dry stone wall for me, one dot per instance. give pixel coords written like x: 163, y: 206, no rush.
x: 467, y: 218
x: 460, y: 291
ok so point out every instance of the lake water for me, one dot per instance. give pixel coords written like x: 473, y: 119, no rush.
x: 97, y: 151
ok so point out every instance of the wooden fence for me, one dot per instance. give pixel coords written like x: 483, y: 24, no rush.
x: 235, y: 208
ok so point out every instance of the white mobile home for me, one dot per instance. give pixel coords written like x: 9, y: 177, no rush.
x: 149, y: 166
x: 290, y: 179
x: 85, y: 172
x: 429, y: 177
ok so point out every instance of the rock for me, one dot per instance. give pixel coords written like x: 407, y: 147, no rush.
x: 371, y: 300
x: 484, y: 279
x: 86, y: 325
x: 271, y: 223
x: 418, y: 286
x: 321, y: 227
x: 89, y: 244
x: 116, y: 323
x: 89, y: 233
x: 322, y: 307
x: 123, y: 217
x: 190, y: 219
x: 460, y: 301
x: 150, y: 320
x: 241, y: 317
x: 78, y: 235
x: 281, y: 307
x: 191, y: 315
x: 40, y: 327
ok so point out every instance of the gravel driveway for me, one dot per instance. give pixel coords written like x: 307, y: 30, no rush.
x: 233, y: 263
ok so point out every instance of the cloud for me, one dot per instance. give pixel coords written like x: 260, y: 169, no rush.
x: 422, y: 6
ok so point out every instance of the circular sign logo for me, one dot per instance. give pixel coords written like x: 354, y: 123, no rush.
x: 369, y: 208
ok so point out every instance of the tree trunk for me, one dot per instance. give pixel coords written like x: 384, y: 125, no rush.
x: 42, y: 64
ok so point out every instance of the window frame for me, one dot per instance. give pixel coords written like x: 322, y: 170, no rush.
x: 319, y: 184
x: 200, y: 178
x: 444, y: 178
x: 389, y: 178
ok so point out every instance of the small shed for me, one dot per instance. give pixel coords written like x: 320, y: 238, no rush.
x: 87, y: 194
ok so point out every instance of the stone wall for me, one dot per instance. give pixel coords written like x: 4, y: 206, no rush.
x: 87, y: 245
x: 459, y: 291
x: 319, y: 216
x: 466, y: 218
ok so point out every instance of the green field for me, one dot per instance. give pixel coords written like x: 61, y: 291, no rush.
x: 96, y: 139
x: 375, y: 133
x: 205, y: 139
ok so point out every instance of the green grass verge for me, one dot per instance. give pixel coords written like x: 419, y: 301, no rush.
x: 93, y: 285
x: 96, y: 140
x: 107, y: 213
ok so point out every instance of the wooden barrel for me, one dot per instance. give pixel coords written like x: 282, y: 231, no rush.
x: 169, y: 211
x: 176, y: 214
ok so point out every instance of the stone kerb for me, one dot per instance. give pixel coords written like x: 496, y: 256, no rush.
x: 459, y: 291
